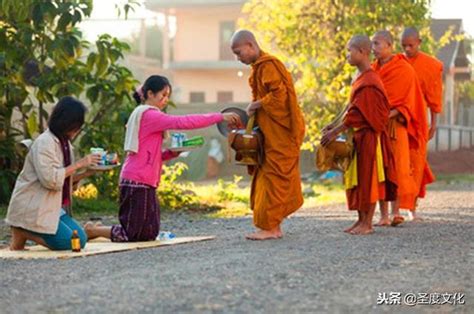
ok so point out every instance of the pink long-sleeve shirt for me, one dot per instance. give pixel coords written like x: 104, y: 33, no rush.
x: 145, y: 166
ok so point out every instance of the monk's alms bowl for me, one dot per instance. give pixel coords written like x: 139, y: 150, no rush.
x: 244, y: 141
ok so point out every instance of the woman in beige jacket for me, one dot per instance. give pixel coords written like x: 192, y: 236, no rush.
x: 42, y: 194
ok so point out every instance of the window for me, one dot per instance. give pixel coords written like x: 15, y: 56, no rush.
x: 227, y: 29
x: 225, y: 97
x: 196, y: 97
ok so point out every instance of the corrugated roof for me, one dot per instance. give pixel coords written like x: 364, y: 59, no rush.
x: 438, y: 29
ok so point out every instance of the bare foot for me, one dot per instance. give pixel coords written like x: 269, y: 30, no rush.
x: 397, y: 220
x: 383, y: 222
x: 89, y: 228
x: 265, y: 235
x: 413, y: 216
x: 278, y: 232
x: 355, y: 225
x: 18, y: 239
x: 362, y: 229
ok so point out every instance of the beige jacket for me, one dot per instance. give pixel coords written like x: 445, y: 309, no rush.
x: 36, y: 200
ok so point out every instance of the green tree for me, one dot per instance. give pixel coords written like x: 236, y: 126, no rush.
x: 43, y: 56
x: 311, y: 36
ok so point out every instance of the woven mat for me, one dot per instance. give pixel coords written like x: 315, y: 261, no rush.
x: 95, y: 247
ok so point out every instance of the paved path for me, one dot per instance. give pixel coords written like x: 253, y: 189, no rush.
x: 315, y: 268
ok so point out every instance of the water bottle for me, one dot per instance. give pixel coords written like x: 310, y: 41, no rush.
x: 174, y: 140
x: 166, y: 235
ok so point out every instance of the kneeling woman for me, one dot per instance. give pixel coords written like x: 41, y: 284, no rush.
x: 139, y: 214
x: 43, y: 189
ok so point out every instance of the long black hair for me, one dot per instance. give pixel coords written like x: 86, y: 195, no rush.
x: 68, y: 115
x: 154, y: 83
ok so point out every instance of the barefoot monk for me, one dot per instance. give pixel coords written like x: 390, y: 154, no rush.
x: 276, y: 184
x: 371, y: 174
x: 403, y: 91
x: 429, y: 71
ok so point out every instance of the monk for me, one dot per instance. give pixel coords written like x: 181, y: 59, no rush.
x: 403, y: 91
x: 371, y: 176
x: 276, y: 184
x: 429, y: 71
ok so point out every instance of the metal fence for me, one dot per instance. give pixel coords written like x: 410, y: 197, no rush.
x: 452, y: 137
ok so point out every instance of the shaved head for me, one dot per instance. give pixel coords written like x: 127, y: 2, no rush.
x: 385, y: 35
x: 245, y: 46
x: 243, y: 36
x: 410, y: 42
x: 358, y: 52
x: 382, y: 46
x: 411, y: 32
x: 361, y: 42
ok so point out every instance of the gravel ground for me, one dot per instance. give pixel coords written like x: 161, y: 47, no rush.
x: 315, y: 268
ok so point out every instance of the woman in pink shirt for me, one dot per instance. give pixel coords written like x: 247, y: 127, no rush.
x: 139, y: 214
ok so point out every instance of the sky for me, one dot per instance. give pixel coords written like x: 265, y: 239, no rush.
x: 104, y: 11
x: 455, y: 9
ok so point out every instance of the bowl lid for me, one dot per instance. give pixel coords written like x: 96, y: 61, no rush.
x: 223, y: 126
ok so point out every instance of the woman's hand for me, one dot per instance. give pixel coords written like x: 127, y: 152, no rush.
x: 175, y: 154
x: 89, y: 160
x: 80, y: 176
x: 231, y: 118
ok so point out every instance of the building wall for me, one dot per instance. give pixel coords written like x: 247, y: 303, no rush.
x: 198, y: 30
x: 210, y: 82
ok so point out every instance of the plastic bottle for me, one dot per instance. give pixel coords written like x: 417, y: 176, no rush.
x: 166, y: 235
x: 174, y: 140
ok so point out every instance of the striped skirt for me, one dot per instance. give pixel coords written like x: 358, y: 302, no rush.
x: 139, y: 213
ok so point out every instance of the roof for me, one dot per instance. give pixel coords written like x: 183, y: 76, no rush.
x: 454, y: 53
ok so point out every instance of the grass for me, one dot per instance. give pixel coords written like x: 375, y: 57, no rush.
x: 226, y: 199
x: 318, y: 194
x: 237, y: 205
x: 455, y: 178
x: 91, y: 208
x: 231, y: 197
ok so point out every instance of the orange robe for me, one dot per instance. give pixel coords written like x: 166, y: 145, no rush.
x: 368, y: 117
x: 429, y: 71
x: 276, y: 185
x: 404, y: 92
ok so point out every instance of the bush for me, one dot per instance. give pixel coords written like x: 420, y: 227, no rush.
x: 94, y: 205
x: 173, y: 195
x: 227, y: 191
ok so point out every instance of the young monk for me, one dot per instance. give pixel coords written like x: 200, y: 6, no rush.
x: 403, y: 91
x: 367, y: 116
x: 429, y: 71
x: 276, y: 185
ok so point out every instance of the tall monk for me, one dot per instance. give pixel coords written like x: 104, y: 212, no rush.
x: 403, y: 91
x: 276, y: 184
x: 429, y: 71
x: 371, y: 175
